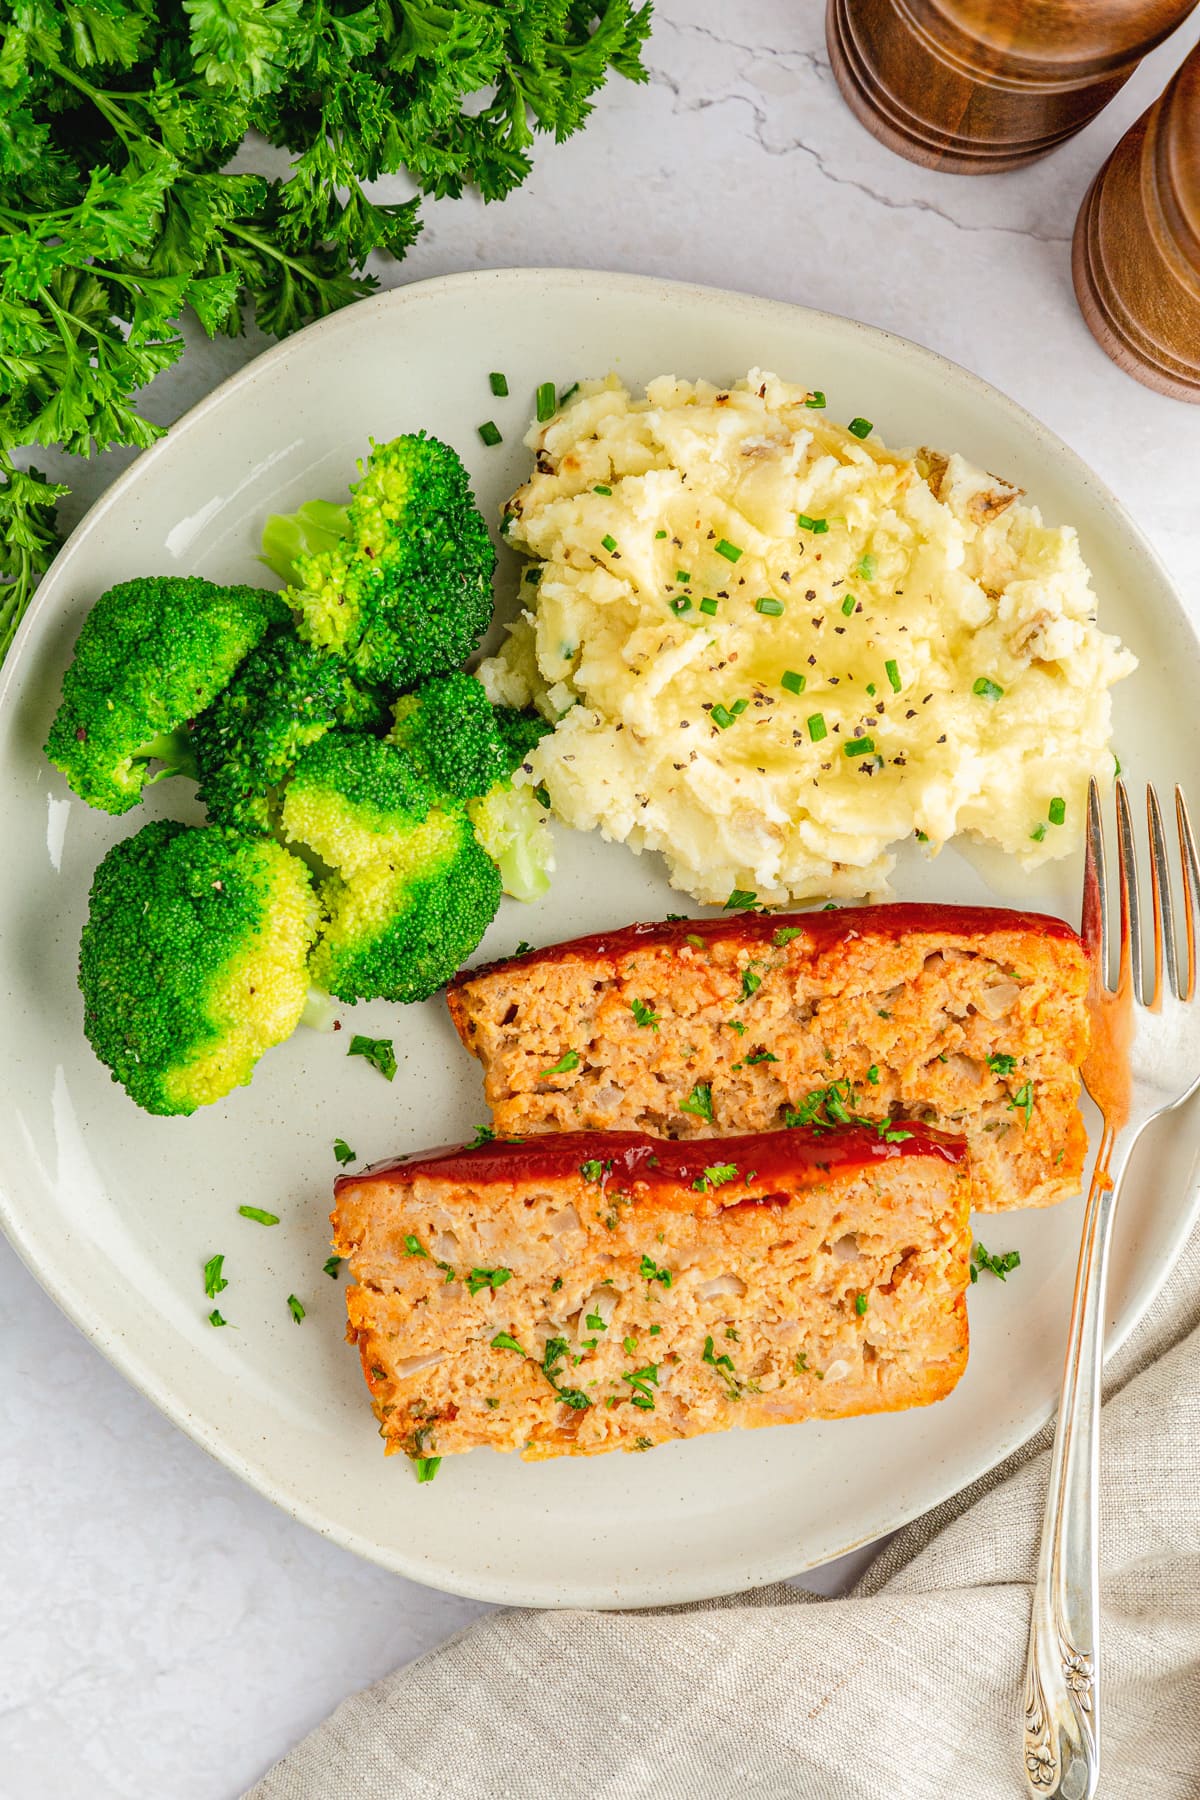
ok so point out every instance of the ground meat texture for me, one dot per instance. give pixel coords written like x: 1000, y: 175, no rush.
x: 971, y: 1019
x: 611, y: 1291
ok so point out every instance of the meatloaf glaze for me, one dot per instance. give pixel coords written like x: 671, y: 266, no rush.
x: 585, y: 1292
x: 971, y: 1019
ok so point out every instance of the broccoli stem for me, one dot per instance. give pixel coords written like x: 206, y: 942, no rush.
x: 317, y: 526
x: 320, y: 1010
x: 173, y: 750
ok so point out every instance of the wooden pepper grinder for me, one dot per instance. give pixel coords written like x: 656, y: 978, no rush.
x: 972, y: 86
x: 1136, y: 257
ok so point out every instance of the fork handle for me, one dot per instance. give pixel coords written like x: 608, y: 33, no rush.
x: 1062, y: 1699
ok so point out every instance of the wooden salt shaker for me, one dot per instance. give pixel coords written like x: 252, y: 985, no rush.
x: 972, y: 86
x: 1136, y: 256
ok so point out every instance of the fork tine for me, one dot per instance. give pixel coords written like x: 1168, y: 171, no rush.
x: 1191, y: 888
x: 1130, y: 964
x: 1094, y: 928
x: 1160, y: 894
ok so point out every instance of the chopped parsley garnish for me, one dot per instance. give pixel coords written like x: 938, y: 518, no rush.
x: 1001, y: 1063
x: 739, y: 899
x: 379, y: 1052
x: 922, y: 837
x: 413, y: 1246
x: 716, y: 1175
x: 709, y: 606
x: 491, y: 1404
x: 1022, y: 1101
x: 848, y: 605
x: 487, y: 1278
x: 654, y: 1330
x: 751, y: 982
x: 214, y: 1318
x: 214, y: 1282
x: 641, y: 1380
x: 609, y: 542
x: 729, y: 551
x: 860, y: 428
x: 699, y: 1101
x: 567, y: 1061
x: 1001, y: 1266
x: 490, y: 433
x: 343, y: 1152
x: 816, y: 398
x: 801, y: 1363
x: 761, y: 1056
x: 891, y: 669
x: 987, y: 689
x: 873, y: 1074
x: 859, y: 746
x: 724, y: 1367
x: 258, y: 1215
x: 866, y: 566
x: 600, y: 488
x: 556, y: 1284
x: 556, y: 1349
x: 871, y: 689
x: 644, y: 1014
x: 296, y: 1308
x: 770, y: 608
x: 594, y: 1169
x: 594, y: 1322
x: 629, y: 1345
x: 786, y: 933
x: 1058, y: 811
x: 547, y: 404
x: 483, y: 1135
x: 807, y: 524
x: 792, y: 681
x: 499, y: 384
x: 860, y: 1304
x: 425, y: 1467
x: 817, y: 728
x: 502, y: 1341
x: 522, y: 949
x: 736, y: 1025
x: 332, y: 1266
x: 649, y: 1270
x: 1039, y: 832
x: 683, y: 576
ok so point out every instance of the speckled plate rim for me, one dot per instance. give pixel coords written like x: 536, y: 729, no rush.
x: 543, y: 285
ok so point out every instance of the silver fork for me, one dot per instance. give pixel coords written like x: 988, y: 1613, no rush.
x: 1144, y: 1059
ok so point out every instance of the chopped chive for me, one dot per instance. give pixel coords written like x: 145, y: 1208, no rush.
x: 425, y: 1467
x: 214, y: 1318
x: 817, y: 728
x: 413, y: 1245
x: 568, y: 393
x: 296, y: 1308
x: 567, y: 1061
x: 609, y: 542
x: 848, y: 605
x: 601, y: 489
x: 987, y: 689
x: 490, y: 433
x: 258, y: 1215
x: 860, y: 428
x: 866, y: 566
x: 629, y: 1345
x: 793, y: 682
x: 332, y: 1266
x: 659, y: 534
x: 683, y: 576
x: 1038, y: 832
x: 816, y: 398
x: 771, y: 609
x: 871, y: 689
x: 499, y: 384
x: 681, y: 605
x: 1022, y: 1101
x: 892, y: 671
x: 720, y: 717
x: 1058, y: 811
x: 547, y: 405
x: 860, y: 1304
x: 807, y: 524
x: 738, y: 707
x: 859, y: 746
x: 709, y: 606
x: 214, y: 1282
x: 922, y: 837
x: 729, y: 551
x: 739, y: 899
x: 343, y: 1152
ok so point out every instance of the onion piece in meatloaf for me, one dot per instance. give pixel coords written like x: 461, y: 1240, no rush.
x: 971, y: 1019
x: 610, y: 1291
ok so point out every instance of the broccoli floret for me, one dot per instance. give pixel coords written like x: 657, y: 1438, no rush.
x: 513, y: 827
x: 193, y: 960
x: 399, y: 581
x: 153, y: 653
x: 450, y: 729
x: 520, y: 732
x: 411, y: 892
x: 285, y: 695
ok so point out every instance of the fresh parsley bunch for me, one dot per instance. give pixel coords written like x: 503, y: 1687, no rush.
x: 118, y: 119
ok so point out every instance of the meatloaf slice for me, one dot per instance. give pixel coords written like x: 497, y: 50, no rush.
x: 609, y: 1291
x: 971, y: 1019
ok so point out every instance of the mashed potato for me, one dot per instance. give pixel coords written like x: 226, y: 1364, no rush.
x: 774, y: 648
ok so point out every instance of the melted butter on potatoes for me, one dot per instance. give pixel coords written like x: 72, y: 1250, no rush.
x: 774, y: 648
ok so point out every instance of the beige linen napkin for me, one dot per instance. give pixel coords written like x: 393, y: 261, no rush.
x: 908, y: 1689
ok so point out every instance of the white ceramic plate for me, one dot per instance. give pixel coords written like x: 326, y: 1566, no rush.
x: 116, y: 1212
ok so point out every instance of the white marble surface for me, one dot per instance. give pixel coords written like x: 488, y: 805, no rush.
x: 165, y: 1631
